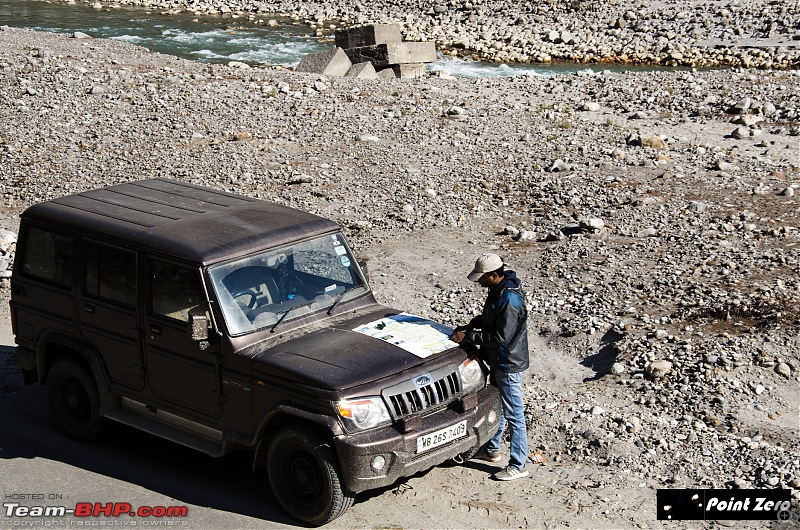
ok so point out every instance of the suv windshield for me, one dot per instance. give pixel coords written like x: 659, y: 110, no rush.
x: 255, y: 291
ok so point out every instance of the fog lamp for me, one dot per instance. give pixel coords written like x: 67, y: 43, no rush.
x: 492, y: 416
x: 377, y: 463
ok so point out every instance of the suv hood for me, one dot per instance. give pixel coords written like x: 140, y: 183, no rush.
x: 343, y: 357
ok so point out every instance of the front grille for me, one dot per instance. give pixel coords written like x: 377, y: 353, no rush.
x: 411, y: 398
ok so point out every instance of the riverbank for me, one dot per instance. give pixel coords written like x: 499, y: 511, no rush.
x: 747, y: 33
x: 652, y: 216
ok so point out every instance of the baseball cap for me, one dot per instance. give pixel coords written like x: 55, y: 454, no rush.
x: 486, y: 263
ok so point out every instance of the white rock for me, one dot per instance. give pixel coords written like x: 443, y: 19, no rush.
x: 783, y: 369
x: 740, y: 133
x: 592, y: 223
x: 657, y: 369
x: 7, y: 238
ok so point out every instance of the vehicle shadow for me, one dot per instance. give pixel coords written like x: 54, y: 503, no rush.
x: 126, y: 454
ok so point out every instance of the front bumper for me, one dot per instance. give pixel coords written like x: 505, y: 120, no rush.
x: 399, y: 449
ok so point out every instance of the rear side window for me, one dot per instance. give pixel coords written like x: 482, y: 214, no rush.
x: 48, y: 256
x: 111, y: 273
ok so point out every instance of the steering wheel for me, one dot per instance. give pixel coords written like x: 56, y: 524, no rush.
x: 249, y: 292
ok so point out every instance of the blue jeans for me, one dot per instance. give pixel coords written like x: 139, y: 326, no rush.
x: 513, y: 415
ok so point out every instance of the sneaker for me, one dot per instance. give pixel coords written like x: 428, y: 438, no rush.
x: 510, y: 473
x: 487, y: 456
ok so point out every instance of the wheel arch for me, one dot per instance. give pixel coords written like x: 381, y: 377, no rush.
x: 55, y: 346
x: 289, y: 415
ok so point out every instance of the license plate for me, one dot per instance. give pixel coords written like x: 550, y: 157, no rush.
x: 441, y: 437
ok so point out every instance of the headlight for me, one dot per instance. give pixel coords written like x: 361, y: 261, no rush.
x: 363, y: 413
x: 471, y: 375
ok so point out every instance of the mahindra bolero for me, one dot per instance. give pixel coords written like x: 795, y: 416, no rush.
x: 224, y: 323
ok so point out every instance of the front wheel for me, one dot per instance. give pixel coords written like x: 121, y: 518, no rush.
x: 304, y: 476
x: 466, y: 455
x: 74, y: 400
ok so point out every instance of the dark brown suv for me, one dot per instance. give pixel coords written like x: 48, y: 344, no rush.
x: 223, y: 322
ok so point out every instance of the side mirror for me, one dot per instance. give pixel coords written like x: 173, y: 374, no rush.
x: 198, y: 325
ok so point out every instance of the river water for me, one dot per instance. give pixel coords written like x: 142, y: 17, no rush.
x: 222, y: 39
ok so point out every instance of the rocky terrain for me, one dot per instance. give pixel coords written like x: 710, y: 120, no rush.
x: 748, y: 33
x: 652, y: 216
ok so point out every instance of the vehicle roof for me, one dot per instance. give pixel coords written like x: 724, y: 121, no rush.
x: 183, y: 220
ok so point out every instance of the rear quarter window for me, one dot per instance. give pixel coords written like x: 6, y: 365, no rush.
x: 47, y: 255
x: 110, y: 273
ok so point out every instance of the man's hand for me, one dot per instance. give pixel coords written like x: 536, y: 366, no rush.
x: 458, y: 336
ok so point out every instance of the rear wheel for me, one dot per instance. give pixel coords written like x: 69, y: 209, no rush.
x: 74, y: 400
x: 304, y: 476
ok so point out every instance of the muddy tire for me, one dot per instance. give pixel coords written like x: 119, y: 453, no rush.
x: 304, y: 476
x: 74, y: 401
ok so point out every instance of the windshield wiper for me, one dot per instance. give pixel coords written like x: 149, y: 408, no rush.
x: 336, y: 302
x: 283, y: 316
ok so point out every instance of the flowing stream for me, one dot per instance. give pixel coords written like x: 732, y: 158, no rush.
x: 223, y: 38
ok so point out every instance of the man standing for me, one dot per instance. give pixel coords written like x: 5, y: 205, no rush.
x: 501, y: 333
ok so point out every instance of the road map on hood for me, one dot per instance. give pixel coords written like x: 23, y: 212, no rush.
x: 416, y: 335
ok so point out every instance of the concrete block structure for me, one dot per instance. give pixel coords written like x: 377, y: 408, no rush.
x: 368, y: 36
x: 393, y: 53
x: 378, y: 45
x: 330, y: 62
x: 362, y: 71
x: 404, y: 71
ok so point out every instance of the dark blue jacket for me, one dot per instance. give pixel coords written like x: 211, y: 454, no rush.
x: 503, y: 331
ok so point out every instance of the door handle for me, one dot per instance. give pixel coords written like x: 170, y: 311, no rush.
x: 155, y: 330
x: 89, y: 308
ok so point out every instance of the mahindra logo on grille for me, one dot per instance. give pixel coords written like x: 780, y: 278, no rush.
x: 423, y: 380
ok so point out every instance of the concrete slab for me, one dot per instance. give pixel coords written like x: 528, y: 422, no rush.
x: 330, y: 62
x: 406, y: 71
x: 394, y: 53
x: 368, y: 35
x: 362, y: 71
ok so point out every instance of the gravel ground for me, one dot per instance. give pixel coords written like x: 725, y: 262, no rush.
x: 748, y: 33
x: 652, y: 216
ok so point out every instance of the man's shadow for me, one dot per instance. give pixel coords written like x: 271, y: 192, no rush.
x: 606, y: 356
